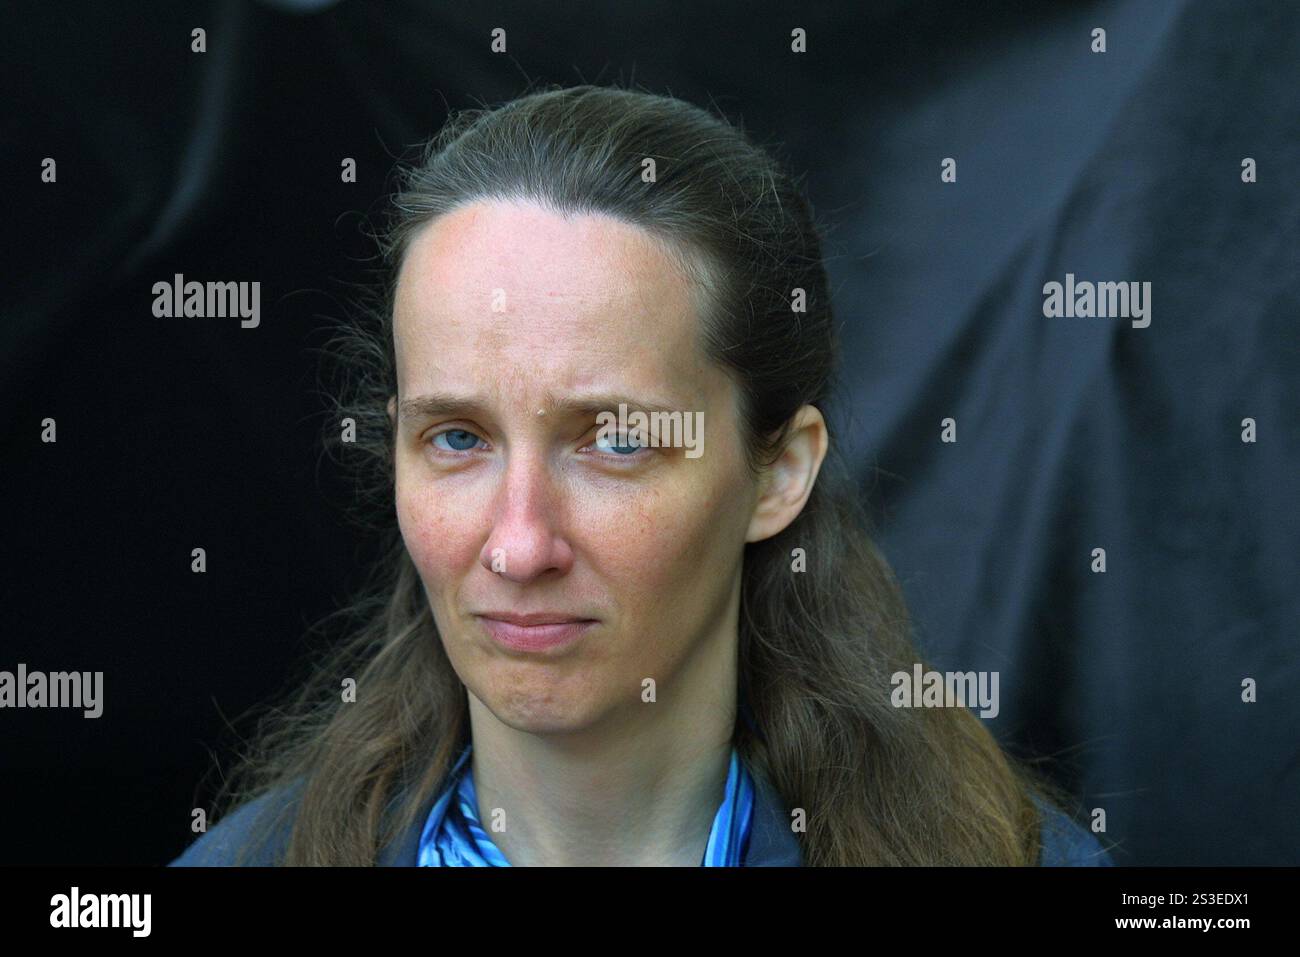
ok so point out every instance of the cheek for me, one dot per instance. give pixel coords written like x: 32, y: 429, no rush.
x: 437, y: 535
x: 670, y: 550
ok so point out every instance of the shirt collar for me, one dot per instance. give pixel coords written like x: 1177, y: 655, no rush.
x: 771, y: 841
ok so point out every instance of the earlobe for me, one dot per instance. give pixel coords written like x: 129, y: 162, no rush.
x: 787, y: 484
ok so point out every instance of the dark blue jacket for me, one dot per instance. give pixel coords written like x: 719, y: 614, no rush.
x: 771, y: 842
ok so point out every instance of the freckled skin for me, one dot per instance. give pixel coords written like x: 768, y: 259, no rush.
x: 652, y: 550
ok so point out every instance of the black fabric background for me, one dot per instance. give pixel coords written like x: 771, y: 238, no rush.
x: 1072, y: 433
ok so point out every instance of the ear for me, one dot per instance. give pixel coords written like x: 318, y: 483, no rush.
x: 392, y: 410
x: 787, y: 482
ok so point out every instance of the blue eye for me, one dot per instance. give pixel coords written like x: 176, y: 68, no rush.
x: 624, y: 450
x: 455, y: 437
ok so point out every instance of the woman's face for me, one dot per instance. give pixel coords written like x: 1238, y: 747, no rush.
x: 514, y: 328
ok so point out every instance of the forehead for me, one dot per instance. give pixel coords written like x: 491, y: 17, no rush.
x: 498, y: 294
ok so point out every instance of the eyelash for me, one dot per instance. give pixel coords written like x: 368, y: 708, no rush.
x: 460, y: 453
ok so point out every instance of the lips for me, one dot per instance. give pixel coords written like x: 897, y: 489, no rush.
x: 538, y: 631
x: 533, y: 618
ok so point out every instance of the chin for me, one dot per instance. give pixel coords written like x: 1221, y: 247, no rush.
x: 538, y: 706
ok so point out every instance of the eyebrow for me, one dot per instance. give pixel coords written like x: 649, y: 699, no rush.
x: 434, y: 404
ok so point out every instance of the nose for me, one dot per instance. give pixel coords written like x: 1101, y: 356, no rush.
x: 527, y: 539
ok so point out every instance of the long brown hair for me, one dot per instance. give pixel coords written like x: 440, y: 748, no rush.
x: 879, y: 784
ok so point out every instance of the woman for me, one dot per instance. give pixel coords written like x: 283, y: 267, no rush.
x: 605, y: 645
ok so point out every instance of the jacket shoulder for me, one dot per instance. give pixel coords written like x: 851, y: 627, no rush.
x: 221, y: 845
x: 1065, y: 843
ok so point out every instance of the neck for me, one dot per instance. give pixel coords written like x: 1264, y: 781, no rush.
x: 640, y: 789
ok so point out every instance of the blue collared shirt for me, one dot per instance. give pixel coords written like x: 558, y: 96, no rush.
x: 772, y: 842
